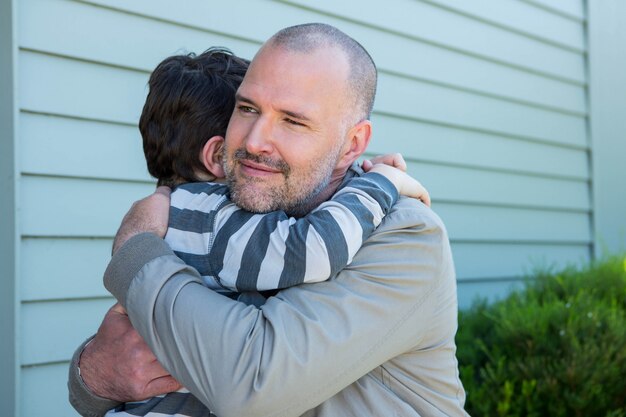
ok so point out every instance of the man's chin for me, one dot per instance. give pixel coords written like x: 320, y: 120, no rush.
x: 255, y: 199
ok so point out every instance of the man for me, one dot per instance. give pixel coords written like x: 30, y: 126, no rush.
x: 377, y: 340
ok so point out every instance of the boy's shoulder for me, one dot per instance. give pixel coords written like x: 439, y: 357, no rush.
x: 209, y: 188
x: 199, y: 196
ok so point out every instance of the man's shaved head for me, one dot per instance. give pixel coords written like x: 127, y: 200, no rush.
x: 362, y: 75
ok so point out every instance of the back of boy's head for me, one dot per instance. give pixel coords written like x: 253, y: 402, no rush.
x: 191, y: 99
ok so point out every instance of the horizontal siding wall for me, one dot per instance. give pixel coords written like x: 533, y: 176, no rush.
x: 486, y: 100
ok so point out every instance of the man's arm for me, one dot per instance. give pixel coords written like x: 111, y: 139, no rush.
x: 84, y: 401
x: 302, y: 346
x: 118, y: 349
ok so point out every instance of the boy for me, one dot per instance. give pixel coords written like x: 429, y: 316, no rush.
x: 183, y: 124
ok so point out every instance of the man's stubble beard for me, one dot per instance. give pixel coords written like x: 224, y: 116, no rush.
x: 300, y: 192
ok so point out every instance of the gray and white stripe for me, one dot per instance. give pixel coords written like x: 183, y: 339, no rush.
x: 242, y: 251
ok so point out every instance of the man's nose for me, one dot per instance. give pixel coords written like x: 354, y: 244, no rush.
x: 259, y: 138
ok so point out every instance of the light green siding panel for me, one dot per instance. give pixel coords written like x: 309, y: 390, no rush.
x: 76, y: 207
x: 473, y: 186
x: 80, y: 89
x: 607, y: 64
x: 63, y: 268
x: 222, y: 17
x: 522, y: 17
x: 469, y: 292
x: 475, y: 261
x: 441, y: 65
x: 483, y: 224
x: 84, y: 31
x: 51, y: 331
x: 573, y: 9
x: 45, y: 392
x: 422, y: 101
x: 71, y: 147
x: 427, y: 142
x: 425, y: 22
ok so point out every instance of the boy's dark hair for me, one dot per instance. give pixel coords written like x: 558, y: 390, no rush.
x: 191, y: 99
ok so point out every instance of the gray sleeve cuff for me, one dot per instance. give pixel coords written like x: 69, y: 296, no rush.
x: 129, y: 260
x: 85, y: 402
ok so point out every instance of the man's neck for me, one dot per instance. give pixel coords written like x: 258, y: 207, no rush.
x: 336, y: 182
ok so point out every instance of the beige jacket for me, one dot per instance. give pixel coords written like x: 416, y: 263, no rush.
x: 378, y: 340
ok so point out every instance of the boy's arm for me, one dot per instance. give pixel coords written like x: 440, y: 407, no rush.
x: 282, y: 251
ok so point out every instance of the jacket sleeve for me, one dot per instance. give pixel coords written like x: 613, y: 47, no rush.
x: 86, y: 403
x: 303, y: 345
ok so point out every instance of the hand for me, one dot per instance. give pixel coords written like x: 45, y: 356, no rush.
x: 406, y: 185
x: 150, y: 214
x: 119, y: 365
x: 395, y: 160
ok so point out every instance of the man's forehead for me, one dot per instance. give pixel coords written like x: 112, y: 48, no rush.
x: 323, y: 63
x: 294, y: 79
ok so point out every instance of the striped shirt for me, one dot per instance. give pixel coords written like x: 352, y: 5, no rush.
x: 235, y: 250
x: 174, y: 404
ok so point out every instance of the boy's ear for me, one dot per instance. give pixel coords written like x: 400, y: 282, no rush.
x: 211, y: 156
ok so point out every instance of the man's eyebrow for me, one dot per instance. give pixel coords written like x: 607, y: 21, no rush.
x: 296, y: 115
x: 239, y: 97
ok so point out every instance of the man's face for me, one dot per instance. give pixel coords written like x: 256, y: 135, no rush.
x: 288, y: 131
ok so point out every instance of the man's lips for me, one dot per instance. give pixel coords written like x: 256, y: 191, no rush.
x: 254, y: 168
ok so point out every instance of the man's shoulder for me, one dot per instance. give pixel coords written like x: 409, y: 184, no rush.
x: 412, y: 243
x: 412, y: 213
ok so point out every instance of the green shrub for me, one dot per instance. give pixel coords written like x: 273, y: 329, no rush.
x: 555, y: 348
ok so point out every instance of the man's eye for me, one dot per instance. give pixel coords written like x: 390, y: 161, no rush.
x: 293, y: 122
x: 246, y: 109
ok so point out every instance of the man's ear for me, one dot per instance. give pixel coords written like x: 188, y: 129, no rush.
x: 358, y: 139
x: 211, y: 156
